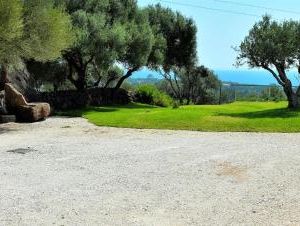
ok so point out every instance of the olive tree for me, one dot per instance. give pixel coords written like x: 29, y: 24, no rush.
x: 274, y: 47
x: 101, y: 36
x: 179, y: 34
x: 140, y: 44
x: 31, y: 29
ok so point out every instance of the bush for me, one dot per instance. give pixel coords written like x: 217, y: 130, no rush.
x: 176, y: 104
x: 149, y: 94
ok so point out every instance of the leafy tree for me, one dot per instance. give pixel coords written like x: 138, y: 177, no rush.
x: 140, y: 47
x: 101, y: 31
x: 179, y: 34
x: 31, y: 29
x: 197, y: 84
x: 274, y: 47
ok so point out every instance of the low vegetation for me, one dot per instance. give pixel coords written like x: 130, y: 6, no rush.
x: 149, y: 94
x: 239, y: 116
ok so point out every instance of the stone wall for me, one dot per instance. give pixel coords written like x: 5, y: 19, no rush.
x: 71, y: 99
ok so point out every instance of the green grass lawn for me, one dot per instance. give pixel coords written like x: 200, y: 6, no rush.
x: 239, y: 116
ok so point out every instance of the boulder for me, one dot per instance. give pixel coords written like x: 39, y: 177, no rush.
x: 13, y: 97
x: 32, y: 112
x: 25, y: 112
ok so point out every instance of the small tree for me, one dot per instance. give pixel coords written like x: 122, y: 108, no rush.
x: 179, y: 34
x: 31, y: 29
x: 197, y: 84
x: 274, y: 47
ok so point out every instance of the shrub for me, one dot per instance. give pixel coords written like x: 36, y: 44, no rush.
x: 176, y: 104
x: 149, y: 94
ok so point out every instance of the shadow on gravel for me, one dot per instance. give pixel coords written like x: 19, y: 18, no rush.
x: 22, y: 151
x: 274, y: 113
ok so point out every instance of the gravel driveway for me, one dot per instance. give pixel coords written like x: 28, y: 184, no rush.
x: 68, y: 172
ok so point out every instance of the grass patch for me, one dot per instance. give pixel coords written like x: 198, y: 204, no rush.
x: 235, y: 117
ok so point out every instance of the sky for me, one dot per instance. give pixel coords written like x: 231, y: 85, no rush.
x: 218, y: 31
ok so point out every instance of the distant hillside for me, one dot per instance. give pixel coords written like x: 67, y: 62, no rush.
x: 236, y: 76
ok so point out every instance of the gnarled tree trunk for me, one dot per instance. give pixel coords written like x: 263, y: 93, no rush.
x: 75, y: 61
x: 292, y: 96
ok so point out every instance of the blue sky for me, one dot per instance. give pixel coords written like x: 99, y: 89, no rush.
x: 218, y: 32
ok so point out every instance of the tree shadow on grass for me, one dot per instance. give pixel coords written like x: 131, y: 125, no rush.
x: 112, y: 108
x: 104, y: 109
x: 273, y: 113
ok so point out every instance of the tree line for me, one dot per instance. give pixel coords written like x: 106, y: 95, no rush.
x: 97, y: 43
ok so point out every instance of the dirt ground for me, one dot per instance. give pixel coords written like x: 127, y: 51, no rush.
x: 65, y: 171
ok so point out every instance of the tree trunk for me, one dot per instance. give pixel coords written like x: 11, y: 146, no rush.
x: 3, y: 77
x: 76, y: 63
x: 188, y: 101
x: 126, y: 76
x: 292, y: 96
x: 80, y: 83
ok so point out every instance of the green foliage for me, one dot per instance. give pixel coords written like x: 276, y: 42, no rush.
x: 107, y: 32
x: 270, y: 43
x: 239, y: 116
x: 11, y: 31
x: 117, y: 31
x: 42, y: 74
x: 198, y: 85
x: 140, y: 41
x: 179, y: 33
x: 176, y: 104
x: 149, y: 94
x: 32, y: 29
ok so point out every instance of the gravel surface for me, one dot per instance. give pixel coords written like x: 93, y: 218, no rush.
x: 65, y: 171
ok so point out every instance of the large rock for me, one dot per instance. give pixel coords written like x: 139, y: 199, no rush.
x: 32, y: 112
x: 25, y: 112
x: 13, y: 97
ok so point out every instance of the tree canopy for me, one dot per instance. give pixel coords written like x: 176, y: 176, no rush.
x: 31, y: 29
x: 179, y: 34
x: 101, y: 35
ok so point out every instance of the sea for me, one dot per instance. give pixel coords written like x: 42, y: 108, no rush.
x: 253, y: 77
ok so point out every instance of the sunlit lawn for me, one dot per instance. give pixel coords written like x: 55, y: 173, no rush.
x: 239, y: 116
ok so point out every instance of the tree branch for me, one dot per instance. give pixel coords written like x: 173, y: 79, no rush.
x: 274, y: 75
x: 169, y: 79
